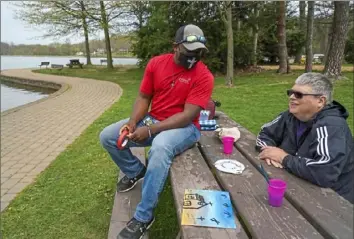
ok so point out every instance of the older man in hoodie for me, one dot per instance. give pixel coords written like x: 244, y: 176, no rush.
x: 312, y: 139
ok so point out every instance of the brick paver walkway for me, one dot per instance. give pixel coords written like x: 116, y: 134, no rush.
x: 33, y: 136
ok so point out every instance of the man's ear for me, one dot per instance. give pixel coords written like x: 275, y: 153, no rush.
x: 175, y: 47
x: 202, y: 53
x: 323, y: 100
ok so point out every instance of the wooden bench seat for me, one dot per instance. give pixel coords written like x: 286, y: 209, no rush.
x: 125, y: 203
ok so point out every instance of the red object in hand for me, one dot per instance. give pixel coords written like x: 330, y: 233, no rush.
x: 123, y: 140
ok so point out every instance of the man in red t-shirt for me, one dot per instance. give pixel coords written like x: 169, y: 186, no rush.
x: 177, y: 87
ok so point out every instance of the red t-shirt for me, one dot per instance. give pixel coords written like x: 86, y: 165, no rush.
x: 172, y: 86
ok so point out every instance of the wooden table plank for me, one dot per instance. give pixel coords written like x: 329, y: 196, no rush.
x: 189, y: 171
x: 125, y: 203
x: 328, y: 212
x: 250, y: 197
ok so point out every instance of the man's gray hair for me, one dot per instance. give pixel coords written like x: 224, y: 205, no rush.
x: 319, y: 83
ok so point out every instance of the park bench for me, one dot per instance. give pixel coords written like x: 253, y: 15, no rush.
x: 44, y: 63
x: 74, y: 62
x: 104, y: 61
x: 308, y: 211
x: 57, y: 66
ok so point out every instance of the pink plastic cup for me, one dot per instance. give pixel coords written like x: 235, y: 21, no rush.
x: 228, y: 143
x: 276, y: 192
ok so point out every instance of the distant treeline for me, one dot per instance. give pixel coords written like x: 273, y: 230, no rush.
x: 121, y: 45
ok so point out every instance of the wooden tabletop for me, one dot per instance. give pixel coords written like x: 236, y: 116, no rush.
x: 308, y: 211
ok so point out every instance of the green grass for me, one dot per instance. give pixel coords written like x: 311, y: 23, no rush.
x: 73, y: 198
x: 258, y: 98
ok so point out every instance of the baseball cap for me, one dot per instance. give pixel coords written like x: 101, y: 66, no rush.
x: 190, y: 30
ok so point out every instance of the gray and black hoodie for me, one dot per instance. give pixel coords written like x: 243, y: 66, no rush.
x: 320, y: 150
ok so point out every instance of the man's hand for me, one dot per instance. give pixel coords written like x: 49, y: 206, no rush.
x: 178, y: 120
x: 275, y: 164
x: 140, y: 134
x: 131, y: 126
x: 273, y: 154
x: 140, y: 109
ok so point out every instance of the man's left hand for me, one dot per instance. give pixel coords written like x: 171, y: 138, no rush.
x: 273, y: 153
x: 140, y: 134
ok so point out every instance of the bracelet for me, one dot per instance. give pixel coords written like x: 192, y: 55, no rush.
x: 149, y: 130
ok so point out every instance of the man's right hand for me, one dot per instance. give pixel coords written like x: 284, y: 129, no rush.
x: 274, y: 163
x: 131, y: 126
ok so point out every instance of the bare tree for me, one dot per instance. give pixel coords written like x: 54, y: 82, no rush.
x: 309, y: 35
x: 108, y: 13
x: 302, y: 25
x: 284, y: 67
x: 333, y: 66
x: 105, y: 26
x: 225, y: 9
x: 255, y: 33
x: 85, y: 26
x: 58, y: 18
x: 139, y: 11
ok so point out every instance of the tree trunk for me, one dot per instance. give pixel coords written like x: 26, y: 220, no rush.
x: 106, y: 36
x: 238, y: 24
x: 328, y: 41
x: 309, y: 35
x: 340, y: 27
x: 230, y: 46
x: 324, y: 38
x: 302, y: 26
x: 255, y: 35
x: 84, y: 23
x: 281, y: 33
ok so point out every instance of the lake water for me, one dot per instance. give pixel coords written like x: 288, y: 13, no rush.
x: 15, y: 62
x: 13, y: 95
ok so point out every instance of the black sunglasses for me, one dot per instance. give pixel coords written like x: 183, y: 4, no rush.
x: 299, y: 95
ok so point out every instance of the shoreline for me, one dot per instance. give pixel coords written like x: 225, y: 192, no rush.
x: 33, y: 135
x: 73, y: 56
x: 59, y: 89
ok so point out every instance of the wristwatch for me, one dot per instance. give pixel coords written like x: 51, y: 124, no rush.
x: 148, y: 121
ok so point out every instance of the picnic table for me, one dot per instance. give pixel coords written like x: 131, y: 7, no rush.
x: 308, y: 211
x: 74, y: 62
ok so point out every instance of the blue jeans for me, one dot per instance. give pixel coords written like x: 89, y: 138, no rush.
x: 164, y: 147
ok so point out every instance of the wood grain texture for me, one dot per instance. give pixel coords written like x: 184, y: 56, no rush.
x: 250, y: 197
x: 125, y: 203
x: 328, y: 212
x: 190, y: 171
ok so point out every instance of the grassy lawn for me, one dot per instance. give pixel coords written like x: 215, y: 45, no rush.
x: 73, y: 198
x: 258, y: 98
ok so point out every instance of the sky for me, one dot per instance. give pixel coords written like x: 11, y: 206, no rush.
x: 19, y: 32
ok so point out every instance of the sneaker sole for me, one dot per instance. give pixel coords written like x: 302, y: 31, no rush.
x: 128, y: 189
x: 141, y: 237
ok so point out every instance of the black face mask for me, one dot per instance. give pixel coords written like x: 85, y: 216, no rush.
x: 188, y: 59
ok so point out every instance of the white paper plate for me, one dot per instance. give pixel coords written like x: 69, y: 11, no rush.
x: 229, y: 166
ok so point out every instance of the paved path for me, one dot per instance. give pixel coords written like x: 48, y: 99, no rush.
x: 33, y: 136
